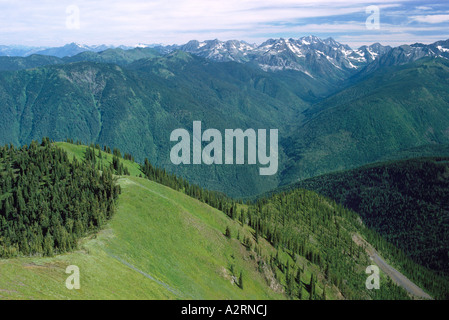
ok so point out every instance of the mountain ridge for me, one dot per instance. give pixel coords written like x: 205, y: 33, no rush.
x: 309, y: 54
x: 205, y: 251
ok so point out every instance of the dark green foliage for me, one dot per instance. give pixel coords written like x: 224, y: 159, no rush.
x: 405, y: 201
x: 113, y: 56
x: 135, y: 108
x: 48, y: 202
x: 33, y: 61
x: 304, y: 223
x: 241, y: 280
x: 383, y: 116
x: 228, y: 233
x: 133, y: 100
x: 116, y: 56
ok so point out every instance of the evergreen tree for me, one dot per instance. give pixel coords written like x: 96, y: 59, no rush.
x: 228, y: 232
x: 241, y: 280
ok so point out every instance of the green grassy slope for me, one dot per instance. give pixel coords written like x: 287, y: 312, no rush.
x: 161, y: 244
x: 156, y: 232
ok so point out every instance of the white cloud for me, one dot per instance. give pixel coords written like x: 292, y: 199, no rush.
x: 393, y: 39
x: 435, y: 18
x: 424, y: 8
x: 177, y: 21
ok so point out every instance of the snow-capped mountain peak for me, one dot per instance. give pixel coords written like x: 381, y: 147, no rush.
x: 309, y: 54
x: 231, y: 50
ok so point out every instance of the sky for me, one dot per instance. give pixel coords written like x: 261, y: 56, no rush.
x: 130, y: 22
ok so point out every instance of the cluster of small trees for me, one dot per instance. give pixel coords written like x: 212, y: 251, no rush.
x: 48, y: 202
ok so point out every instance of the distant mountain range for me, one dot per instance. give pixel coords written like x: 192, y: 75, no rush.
x: 311, y: 55
x: 68, y: 50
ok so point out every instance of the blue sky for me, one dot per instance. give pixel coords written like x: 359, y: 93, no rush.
x: 54, y: 23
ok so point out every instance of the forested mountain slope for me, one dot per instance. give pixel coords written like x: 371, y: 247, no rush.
x: 162, y: 244
x: 136, y: 111
x: 405, y: 201
x: 393, y: 110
